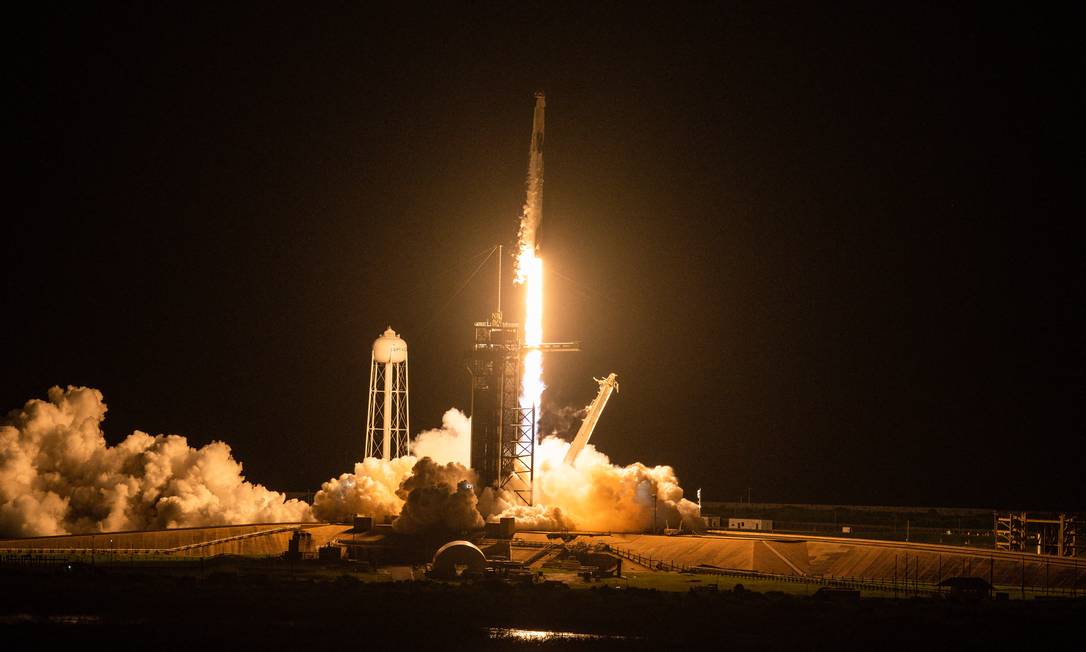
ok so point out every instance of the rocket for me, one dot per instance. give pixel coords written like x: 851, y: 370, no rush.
x: 535, y: 155
x: 533, y: 205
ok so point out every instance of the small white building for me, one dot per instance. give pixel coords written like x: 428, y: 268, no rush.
x: 712, y: 522
x: 750, y: 524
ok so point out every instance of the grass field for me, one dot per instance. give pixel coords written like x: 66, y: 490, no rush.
x: 249, y: 604
x: 684, y: 582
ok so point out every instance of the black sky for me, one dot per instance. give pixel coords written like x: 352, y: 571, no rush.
x: 829, y: 250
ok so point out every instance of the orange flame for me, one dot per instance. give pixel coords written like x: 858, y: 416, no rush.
x: 530, y: 273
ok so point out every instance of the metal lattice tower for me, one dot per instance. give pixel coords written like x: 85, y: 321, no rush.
x: 1046, y: 534
x: 518, y: 453
x: 388, y: 424
x: 502, y: 432
x: 503, y: 435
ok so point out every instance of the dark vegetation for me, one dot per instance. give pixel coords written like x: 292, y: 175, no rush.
x: 249, y: 610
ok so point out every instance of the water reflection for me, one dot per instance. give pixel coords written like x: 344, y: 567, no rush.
x: 549, y: 635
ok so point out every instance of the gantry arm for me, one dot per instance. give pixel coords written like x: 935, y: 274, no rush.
x: 595, y: 409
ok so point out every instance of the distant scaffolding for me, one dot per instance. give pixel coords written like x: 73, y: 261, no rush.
x: 1020, y: 532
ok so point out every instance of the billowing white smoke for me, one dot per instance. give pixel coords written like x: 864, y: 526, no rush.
x: 498, y: 504
x: 449, y: 443
x: 595, y: 494
x: 374, y: 488
x: 434, y: 499
x: 370, y: 490
x: 58, y: 476
x: 421, y: 493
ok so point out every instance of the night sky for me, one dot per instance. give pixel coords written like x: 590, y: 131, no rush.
x: 828, y: 249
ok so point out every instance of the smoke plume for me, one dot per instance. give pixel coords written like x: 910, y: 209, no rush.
x: 593, y: 495
x: 598, y: 495
x: 502, y: 503
x: 377, y: 488
x: 423, y: 494
x: 449, y: 443
x: 434, y: 499
x: 560, y: 419
x: 420, y: 490
x: 370, y: 490
x: 58, y: 476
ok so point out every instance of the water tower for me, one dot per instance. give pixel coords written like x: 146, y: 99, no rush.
x: 387, y: 422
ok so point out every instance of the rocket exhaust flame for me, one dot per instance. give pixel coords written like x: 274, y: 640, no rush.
x: 532, y: 382
x: 529, y: 270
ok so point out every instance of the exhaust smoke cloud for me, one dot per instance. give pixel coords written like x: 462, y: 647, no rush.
x: 594, y: 495
x: 449, y: 443
x: 370, y: 490
x: 434, y: 499
x: 598, y: 495
x: 58, y: 476
x: 377, y: 488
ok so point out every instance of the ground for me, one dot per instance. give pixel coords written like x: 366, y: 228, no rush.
x: 275, y: 604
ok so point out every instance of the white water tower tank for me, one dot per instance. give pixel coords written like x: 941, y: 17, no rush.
x: 389, y: 348
x: 387, y: 422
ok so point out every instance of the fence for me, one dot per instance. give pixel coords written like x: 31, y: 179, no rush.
x: 904, y: 585
x: 61, y: 558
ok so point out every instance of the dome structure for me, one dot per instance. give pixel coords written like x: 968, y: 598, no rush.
x: 457, y: 557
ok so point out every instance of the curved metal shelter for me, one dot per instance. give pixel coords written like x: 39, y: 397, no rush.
x: 456, y: 557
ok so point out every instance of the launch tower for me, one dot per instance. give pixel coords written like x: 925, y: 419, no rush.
x: 502, y: 432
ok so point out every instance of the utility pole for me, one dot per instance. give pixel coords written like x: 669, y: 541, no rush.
x: 654, y: 510
x: 1023, y: 577
x: 499, y: 279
